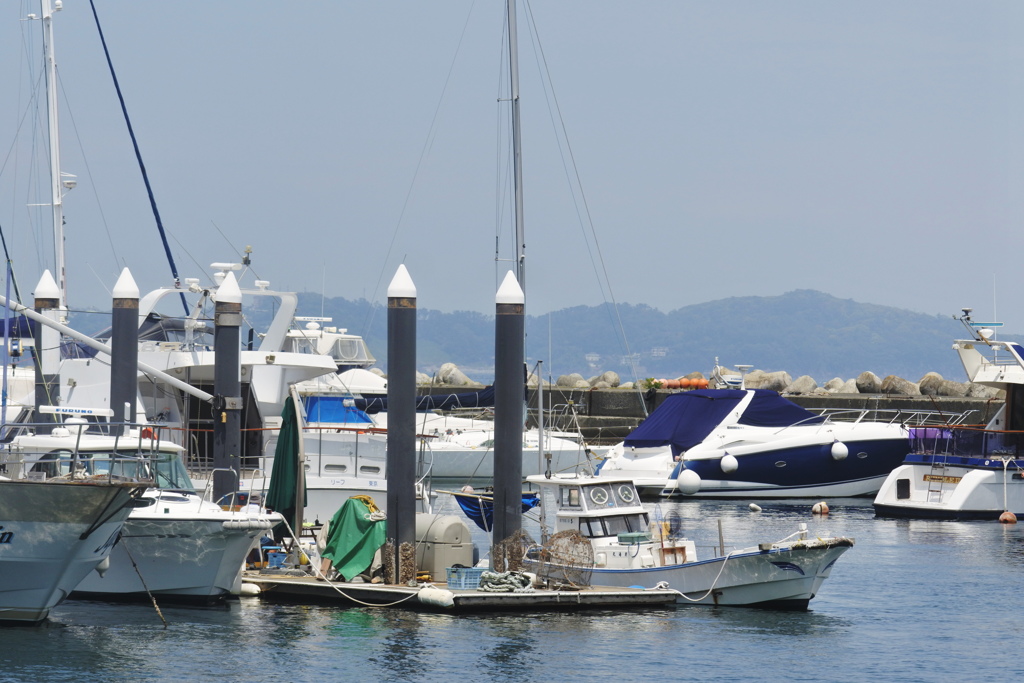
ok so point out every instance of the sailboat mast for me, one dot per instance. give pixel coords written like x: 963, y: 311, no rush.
x: 47, y: 10
x: 517, y: 160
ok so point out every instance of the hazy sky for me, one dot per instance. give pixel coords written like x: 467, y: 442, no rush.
x: 870, y: 150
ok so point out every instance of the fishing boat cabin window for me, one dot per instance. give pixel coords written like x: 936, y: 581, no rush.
x: 599, y: 527
x: 613, y: 494
x: 570, y: 496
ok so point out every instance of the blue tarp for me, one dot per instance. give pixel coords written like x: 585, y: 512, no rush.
x: 473, y: 399
x: 480, y: 509
x: 334, y: 409
x: 685, y: 419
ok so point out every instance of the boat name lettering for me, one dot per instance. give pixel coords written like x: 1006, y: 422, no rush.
x: 6, y: 536
x: 941, y: 478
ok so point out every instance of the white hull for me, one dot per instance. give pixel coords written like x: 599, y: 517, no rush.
x: 966, y: 492
x: 784, y: 578
x: 183, y: 549
x: 468, y: 463
x: 754, y: 490
x: 43, y: 554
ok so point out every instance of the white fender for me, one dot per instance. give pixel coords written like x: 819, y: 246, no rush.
x: 839, y: 451
x: 688, y: 482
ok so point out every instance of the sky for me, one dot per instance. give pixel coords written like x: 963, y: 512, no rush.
x: 698, y: 151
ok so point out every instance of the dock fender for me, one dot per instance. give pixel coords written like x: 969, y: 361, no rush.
x: 432, y: 595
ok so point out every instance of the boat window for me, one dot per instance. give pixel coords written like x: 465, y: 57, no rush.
x: 613, y: 526
x: 598, y: 496
x: 570, y: 496
x: 625, y: 494
x: 127, y: 465
x: 170, y: 472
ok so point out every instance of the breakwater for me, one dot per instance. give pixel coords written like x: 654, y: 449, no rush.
x: 604, y: 410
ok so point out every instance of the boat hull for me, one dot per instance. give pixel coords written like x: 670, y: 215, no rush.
x: 952, y: 487
x: 52, y: 535
x: 800, y: 471
x: 178, y: 556
x: 780, y: 578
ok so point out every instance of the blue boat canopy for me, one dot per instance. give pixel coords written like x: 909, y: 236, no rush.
x: 685, y: 419
x: 334, y: 409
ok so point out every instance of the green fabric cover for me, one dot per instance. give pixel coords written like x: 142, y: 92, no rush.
x: 352, y: 539
x: 281, y: 492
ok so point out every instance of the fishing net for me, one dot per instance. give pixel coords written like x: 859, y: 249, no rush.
x: 565, y: 561
x: 507, y: 556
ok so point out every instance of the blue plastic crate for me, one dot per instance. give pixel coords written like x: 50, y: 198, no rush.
x: 464, y: 578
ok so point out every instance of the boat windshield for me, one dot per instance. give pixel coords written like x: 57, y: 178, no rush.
x: 170, y: 472
x: 120, y: 464
x: 167, y: 468
x: 599, y: 527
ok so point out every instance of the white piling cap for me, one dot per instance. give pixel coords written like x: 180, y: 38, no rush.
x: 47, y: 287
x: 228, y: 292
x: 510, y: 292
x: 126, y: 287
x: 401, y: 285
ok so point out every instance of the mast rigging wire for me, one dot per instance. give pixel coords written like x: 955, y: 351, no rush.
x: 138, y: 156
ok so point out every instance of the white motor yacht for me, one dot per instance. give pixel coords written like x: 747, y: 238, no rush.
x: 967, y: 471
x: 753, y: 443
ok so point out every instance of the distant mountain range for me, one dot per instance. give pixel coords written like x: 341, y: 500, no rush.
x: 803, y: 332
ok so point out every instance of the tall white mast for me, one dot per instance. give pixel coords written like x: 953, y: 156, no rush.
x: 47, y: 11
x: 517, y: 161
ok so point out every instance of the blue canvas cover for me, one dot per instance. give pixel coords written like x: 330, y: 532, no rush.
x: 480, y: 508
x: 334, y: 409
x: 685, y: 419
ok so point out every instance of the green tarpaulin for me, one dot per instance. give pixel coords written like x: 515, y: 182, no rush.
x: 353, y: 538
x: 281, y: 493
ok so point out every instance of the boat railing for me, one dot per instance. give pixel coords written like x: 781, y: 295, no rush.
x: 993, y: 353
x: 967, y: 441
x: 911, y: 418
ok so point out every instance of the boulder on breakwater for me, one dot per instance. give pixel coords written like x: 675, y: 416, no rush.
x: 867, y: 382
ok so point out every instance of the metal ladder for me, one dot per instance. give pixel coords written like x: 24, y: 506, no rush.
x: 936, y: 479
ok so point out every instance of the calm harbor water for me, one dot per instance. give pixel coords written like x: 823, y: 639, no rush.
x: 912, y: 601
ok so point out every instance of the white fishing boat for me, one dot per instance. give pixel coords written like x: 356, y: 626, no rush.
x: 753, y: 443
x: 173, y: 544
x: 57, y: 527
x: 617, y: 545
x: 180, y: 547
x: 967, y: 471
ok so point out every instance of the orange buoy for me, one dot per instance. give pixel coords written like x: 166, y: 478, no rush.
x: 701, y: 383
x: 672, y: 384
x: 1007, y: 518
x: 684, y: 383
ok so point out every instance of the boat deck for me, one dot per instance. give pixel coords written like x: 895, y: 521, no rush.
x: 437, y: 597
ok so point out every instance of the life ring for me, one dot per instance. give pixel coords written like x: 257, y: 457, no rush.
x: 147, y: 433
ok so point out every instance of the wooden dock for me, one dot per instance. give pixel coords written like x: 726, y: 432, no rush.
x: 437, y: 597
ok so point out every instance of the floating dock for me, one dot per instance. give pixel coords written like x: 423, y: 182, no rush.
x: 437, y: 597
